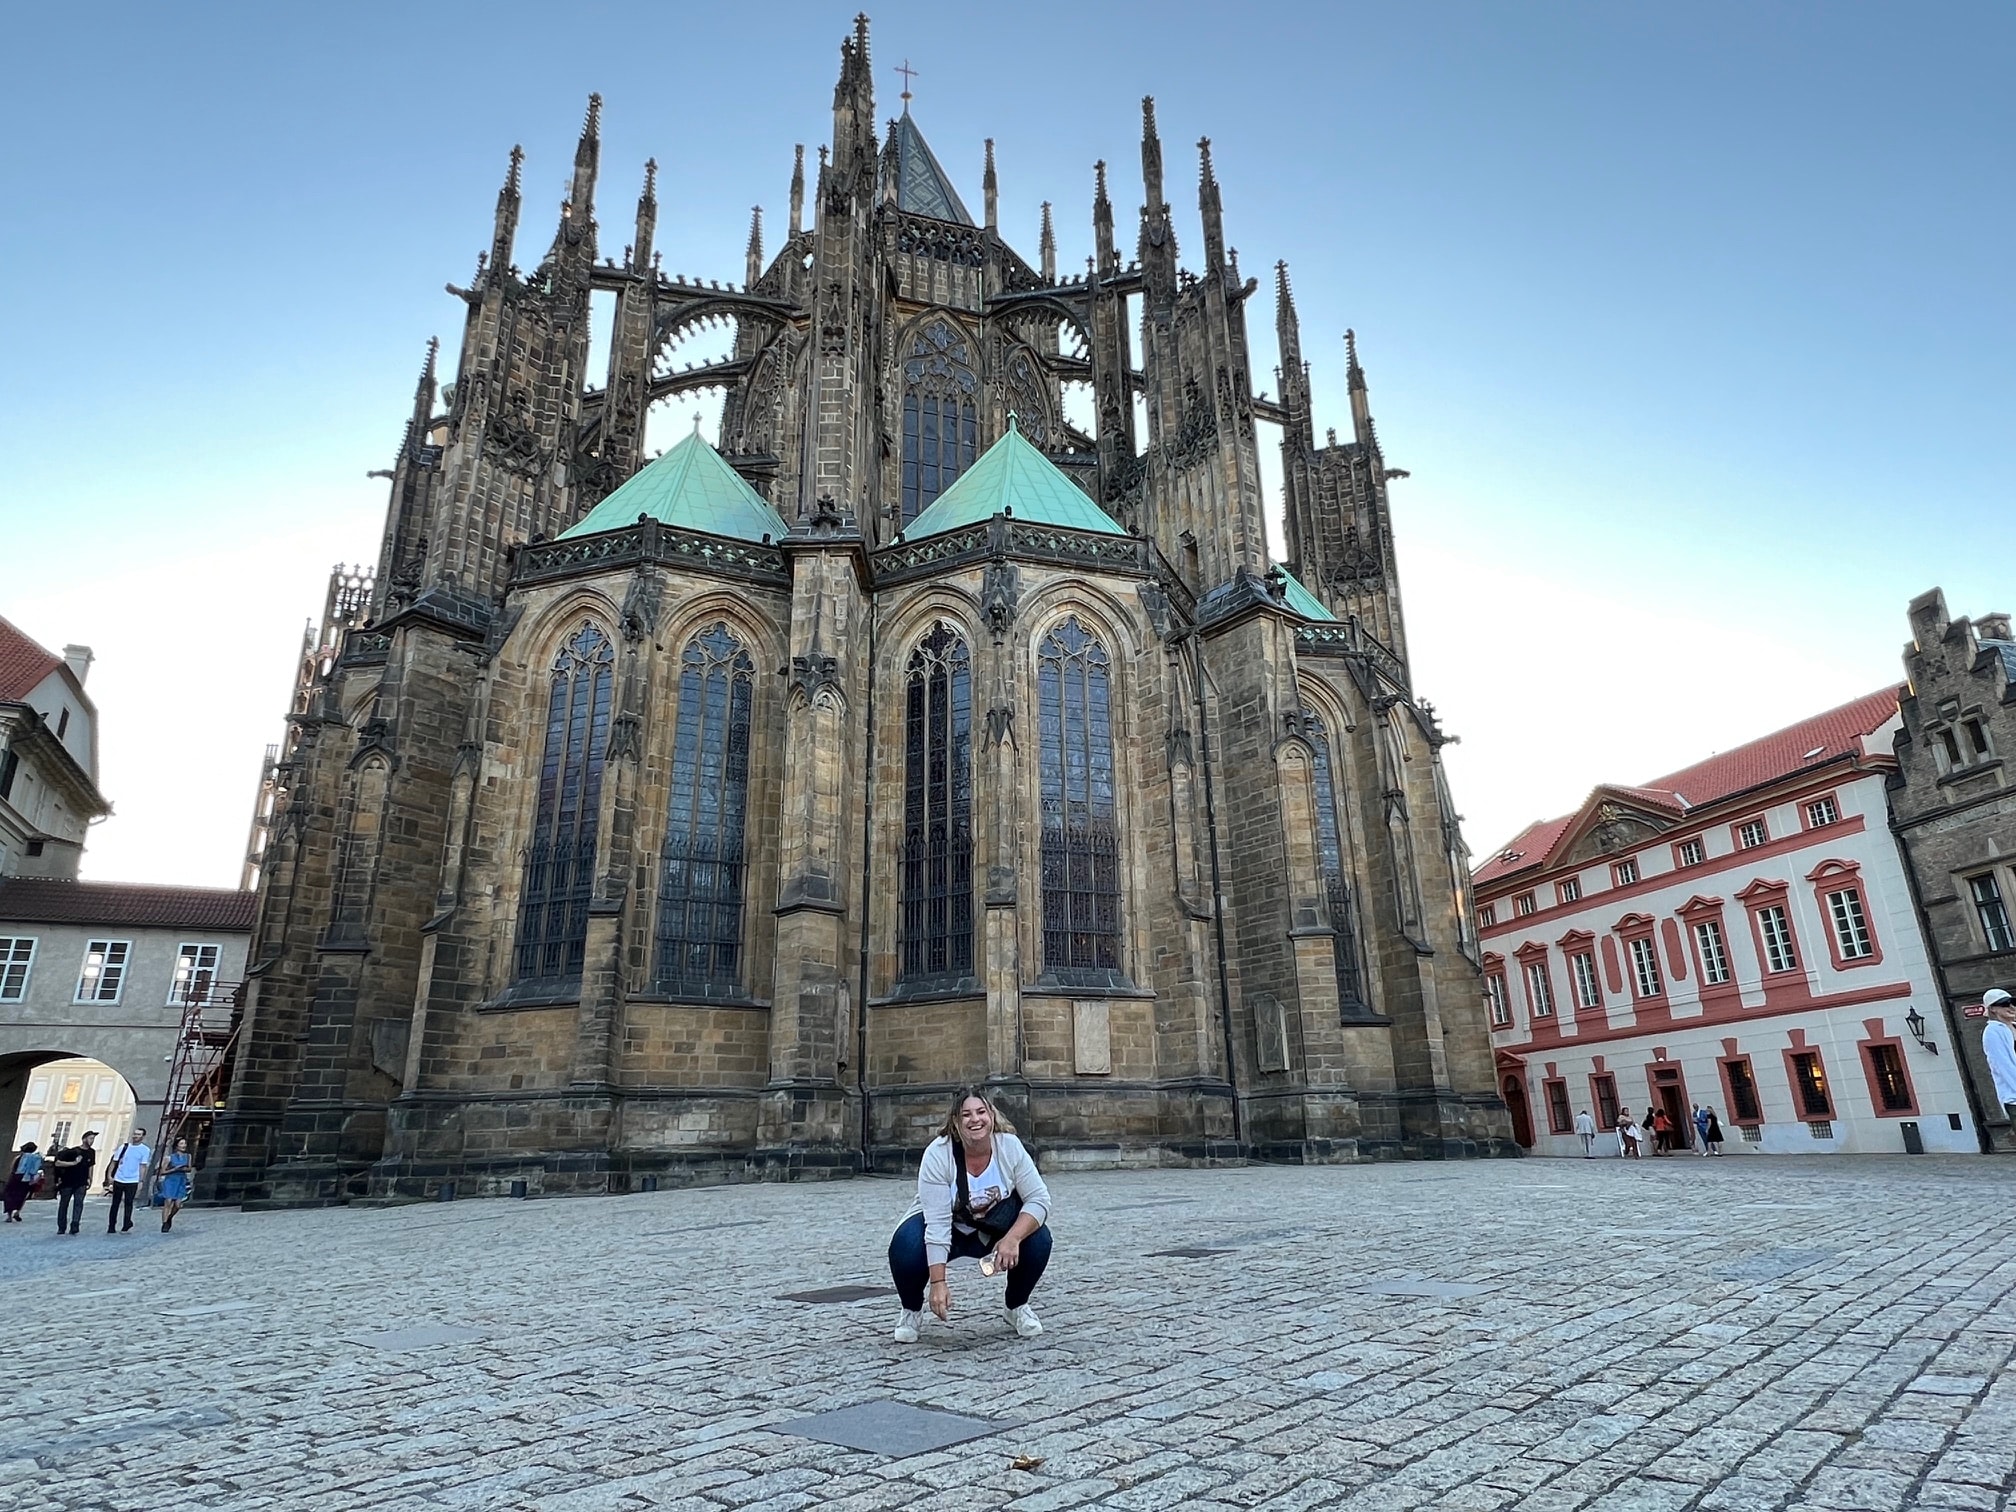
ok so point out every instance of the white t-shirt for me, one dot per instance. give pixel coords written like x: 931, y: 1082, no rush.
x: 1998, y: 1044
x: 982, y: 1191
x: 133, y: 1163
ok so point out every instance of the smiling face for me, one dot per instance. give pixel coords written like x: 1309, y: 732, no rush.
x: 976, y: 1121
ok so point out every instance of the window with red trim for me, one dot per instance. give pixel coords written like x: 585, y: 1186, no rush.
x: 1645, y: 968
x: 1624, y: 873
x: 1559, y: 1119
x: 1688, y: 853
x: 1850, y: 924
x: 1888, y: 1079
x: 1712, y: 951
x: 1582, y: 966
x: 1739, y: 1083
x: 1539, y: 989
x: 1774, y: 928
x: 1494, y: 994
x: 1603, y: 1088
x: 1809, y: 1085
x: 1822, y: 812
x: 1752, y: 833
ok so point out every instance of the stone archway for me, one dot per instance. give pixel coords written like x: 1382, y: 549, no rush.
x: 67, y: 1092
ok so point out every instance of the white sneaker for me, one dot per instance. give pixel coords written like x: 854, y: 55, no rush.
x: 906, y: 1327
x: 1024, y: 1319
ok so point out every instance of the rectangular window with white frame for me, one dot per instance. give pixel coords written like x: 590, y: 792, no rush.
x: 1752, y: 833
x: 1822, y: 812
x: 17, y: 958
x: 1523, y: 905
x: 195, y: 974
x: 1625, y: 872
x: 1487, y: 915
x: 1587, y: 993
x: 1494, y: 994
x: 1993, y: 913
x: 104, y: 972
x: 1539, y: 989
x: 1569, y: 890
x: 1714, y: 952
x: 1780, y: 954
x: 1851, y: 924
x: 1645, y: 967
x: 1688, y: 852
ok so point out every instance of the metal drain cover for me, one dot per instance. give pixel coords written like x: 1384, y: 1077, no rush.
x: 833, y: 1294
x: 892, y: 1428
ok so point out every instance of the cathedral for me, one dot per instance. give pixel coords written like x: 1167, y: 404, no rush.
x: 711, y: 816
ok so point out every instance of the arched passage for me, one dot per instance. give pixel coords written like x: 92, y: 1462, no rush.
x: 55, y: 1096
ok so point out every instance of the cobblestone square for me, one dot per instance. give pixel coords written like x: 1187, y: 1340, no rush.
x: 1743, y: 1334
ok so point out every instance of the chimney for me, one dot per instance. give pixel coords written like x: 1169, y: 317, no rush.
x: 79, y: 658
x: 1993, y: 627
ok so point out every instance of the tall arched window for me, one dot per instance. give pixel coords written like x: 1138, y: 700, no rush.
x: 1081, y: 842
x: 1336, y: 885
x: 560, y: 862
x: 941, y: 431
x: 937, y: 900
x: 700, y: 882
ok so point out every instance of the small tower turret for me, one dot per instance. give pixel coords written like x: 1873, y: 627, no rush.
x: 647, y: 219
x: 753, y: 255
x: 1210, y: 207
x: 798, y: 192
x: 989, y: 187
x: 1102, y: 220
x: 1046, y: 248
x: 509, y: 202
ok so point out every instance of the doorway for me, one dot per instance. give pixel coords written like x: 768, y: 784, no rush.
x: 1670, y: 1094
x: 1522, y: 1116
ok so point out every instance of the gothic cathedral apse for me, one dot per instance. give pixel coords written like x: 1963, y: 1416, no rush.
x: 711, y: 816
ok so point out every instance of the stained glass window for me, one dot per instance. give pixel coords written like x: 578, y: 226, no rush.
x: 560, y: 862
x: 937, y: 899
x: 1081, y: 844
x: 701, y: 880
x: 941, y: 430
x: 1343, y: 907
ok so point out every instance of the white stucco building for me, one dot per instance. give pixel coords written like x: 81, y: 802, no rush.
x: 1739, y: 935
x: 48, y: 757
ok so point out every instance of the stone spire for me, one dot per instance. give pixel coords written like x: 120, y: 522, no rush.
x: 798, y: 192
x: 1151, y: 154
x: 587, y: 159
x: 647, y: 218
x: 1211, y: 208
x: 1047, y: 247
x: 423, y: 399
x: 754, y: 256
x: 989, y: 187
x: 509, y: 200
x: 1362, y: 428
x: 1102, y: 220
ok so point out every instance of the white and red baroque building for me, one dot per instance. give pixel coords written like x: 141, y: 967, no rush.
x: 1740, y: 935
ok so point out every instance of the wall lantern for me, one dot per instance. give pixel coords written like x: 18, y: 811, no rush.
x: 1915, y: 1022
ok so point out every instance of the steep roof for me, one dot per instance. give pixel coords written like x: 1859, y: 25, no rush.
x: 23, y: 663
x: 1012, y: 477
x: 1770, y: 758
x: 922, y: 186
x: 691, y: 487
x: 45, y: 900
x: 1301, y: 600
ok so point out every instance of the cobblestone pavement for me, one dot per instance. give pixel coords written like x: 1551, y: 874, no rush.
x: 1746, y: 1334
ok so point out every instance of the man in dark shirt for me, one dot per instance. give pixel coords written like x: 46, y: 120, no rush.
x: 73, y: 1180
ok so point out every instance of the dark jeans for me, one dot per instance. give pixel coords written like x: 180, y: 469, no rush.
x: 910, y: 1263
x: 69, y: 1208
x: 122, y: 1192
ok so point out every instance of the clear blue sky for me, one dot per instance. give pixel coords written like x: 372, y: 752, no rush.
x: 1693, y: 323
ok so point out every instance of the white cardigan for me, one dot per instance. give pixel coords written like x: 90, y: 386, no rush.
x: 938, y: 1189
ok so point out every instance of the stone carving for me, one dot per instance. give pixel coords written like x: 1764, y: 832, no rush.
x: 999, y: 592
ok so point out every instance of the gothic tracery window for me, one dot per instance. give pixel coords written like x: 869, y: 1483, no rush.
x: 941, y: 431
x: 1081, y: 844
x: 1336, y: 885
x: 937, y: 898
x: 700, y: 886
x: 560, y: 862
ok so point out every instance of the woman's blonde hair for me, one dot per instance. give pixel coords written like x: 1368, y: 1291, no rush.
x: 950, y: 1128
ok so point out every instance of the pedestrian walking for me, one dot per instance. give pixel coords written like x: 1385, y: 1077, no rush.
x: 1648, y: 1131
x: 1628, y: 1135
x: 979, y: 1196
x: 1711, y: 1137
x: 177, y: 1168
x: 23, y: 1177
x: 1662, y: 1133
x: 1585, y: 1126
x: 1998, y: 1044
x: 1702, y: 1118
x: 73, y: 1180
x: 123, y: 1174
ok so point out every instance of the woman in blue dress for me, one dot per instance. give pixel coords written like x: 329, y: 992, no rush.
x: 175, y: 1169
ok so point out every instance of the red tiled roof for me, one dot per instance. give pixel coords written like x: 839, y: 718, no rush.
x: 43, y: 900
x: 1781, y: 754
x: 23, y: 663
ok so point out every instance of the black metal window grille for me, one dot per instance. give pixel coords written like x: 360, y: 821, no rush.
x: 1081, y: 843
x: 1812, y: 1084
x: 560, y: 863
x: 1337, y: 889
x: 1559, y: 1119
x: 937, y: 897
x: 1743, y: 1102
x: 1893, y: 1087
x: 941, y: 429
x: 701, y: 877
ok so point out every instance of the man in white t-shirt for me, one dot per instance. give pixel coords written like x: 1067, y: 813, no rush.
x: 1998, y: 1045
x: 123, y: 1174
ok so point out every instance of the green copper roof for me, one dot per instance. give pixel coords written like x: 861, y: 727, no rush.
x: 691, y: 487
x: 922, y: 186
x: 1301, y: 600
x: 1012, y: 477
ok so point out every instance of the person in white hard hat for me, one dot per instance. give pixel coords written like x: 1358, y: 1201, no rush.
x: 1998, y: 1044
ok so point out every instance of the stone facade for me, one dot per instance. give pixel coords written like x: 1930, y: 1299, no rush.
x: 1275, y: 783
x: 1953, y: 806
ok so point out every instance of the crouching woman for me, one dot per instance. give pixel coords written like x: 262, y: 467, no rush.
x: 978, y: 1197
